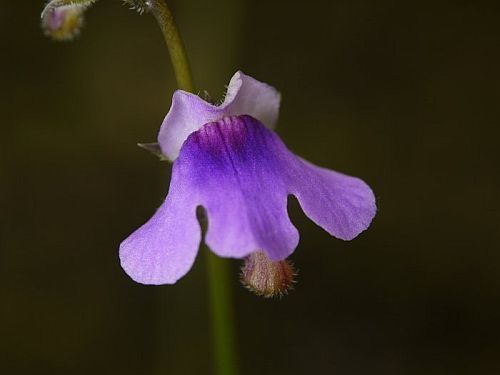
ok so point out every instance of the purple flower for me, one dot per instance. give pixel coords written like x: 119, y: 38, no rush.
x: 229, y: 161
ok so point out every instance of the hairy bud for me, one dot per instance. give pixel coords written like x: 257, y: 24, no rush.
x: 63, y: 19
x: 266, y: 278
x: 63, y: 23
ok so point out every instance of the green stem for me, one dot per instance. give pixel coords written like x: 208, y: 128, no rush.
x: 218, y: 269
x: 178, y: 56
x: 222, y: 315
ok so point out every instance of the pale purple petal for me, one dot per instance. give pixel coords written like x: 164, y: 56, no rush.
x: 342, y: 205
x: 247, y: 96
x: 163, y: 250
x: 188, y: 113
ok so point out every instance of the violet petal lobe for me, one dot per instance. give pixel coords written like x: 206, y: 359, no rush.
x: 342, y: 205
x: 188, y: 113
x: 164, y: 249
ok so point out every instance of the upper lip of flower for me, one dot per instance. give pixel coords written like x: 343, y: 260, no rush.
x: 188, y: 113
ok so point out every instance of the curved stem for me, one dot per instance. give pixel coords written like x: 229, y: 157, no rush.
x: 178, y: 56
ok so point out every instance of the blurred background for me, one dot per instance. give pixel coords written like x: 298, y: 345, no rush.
x: 402, y: 94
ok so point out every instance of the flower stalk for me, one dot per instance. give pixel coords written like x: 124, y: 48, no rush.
x: 178, y: 57
x: 221, y: 307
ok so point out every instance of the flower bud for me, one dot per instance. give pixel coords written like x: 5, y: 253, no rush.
x: 63, y: 23
x: 265, y: 277
x: 62, y: 19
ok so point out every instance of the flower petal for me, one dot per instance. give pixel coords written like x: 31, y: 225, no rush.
x: 235, y: 176
x: 342, y: 205
x: 247, y: 96
x: 188, y: 113
x: 163, y: 250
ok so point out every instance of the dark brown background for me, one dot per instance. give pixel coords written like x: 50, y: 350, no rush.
x: 402, y: 94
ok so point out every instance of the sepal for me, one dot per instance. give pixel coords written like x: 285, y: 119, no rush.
x: 155, y: 149
x: 140, y: 6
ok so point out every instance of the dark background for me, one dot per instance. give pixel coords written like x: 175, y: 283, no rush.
x: 402, y: 94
